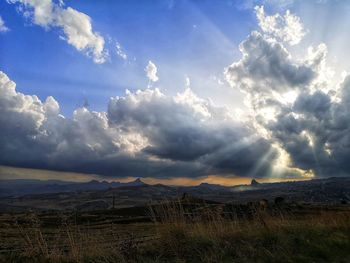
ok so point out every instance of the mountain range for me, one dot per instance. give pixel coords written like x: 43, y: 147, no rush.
x: 20, y: 187
x: 21, y: 195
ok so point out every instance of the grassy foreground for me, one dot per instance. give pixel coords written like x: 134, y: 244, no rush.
x: 176, y: 237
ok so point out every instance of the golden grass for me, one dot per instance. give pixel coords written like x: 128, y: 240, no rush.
x: 206, y: 235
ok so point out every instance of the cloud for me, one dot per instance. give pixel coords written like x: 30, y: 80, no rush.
x: 267, y: 61
x: 120, y: 51
x: 188, y: 129
x: 187, y: 82
x: 297, y: 123
x: 286, y: 28
x: 144, y: 133
x: 250, y: 4
x: 293, y: 103
x: 76, y: 26
x: 3, y: 28
x: 151, y: 71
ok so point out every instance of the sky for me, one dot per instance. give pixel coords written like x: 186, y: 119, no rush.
x: 179, y: 91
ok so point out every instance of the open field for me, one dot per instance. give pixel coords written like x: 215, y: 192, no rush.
x: 179, y: 231
x: 92, y: 222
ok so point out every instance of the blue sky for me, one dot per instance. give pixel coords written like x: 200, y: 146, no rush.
x: 195, y: 38
x: 85, y: 52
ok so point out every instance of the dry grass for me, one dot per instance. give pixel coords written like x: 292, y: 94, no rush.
x: 211, y: 237
x: 206, y: 235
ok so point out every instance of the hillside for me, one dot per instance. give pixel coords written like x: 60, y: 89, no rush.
x: 96, y: 195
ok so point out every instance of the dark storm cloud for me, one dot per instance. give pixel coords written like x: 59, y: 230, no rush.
x: 177, y: 130
x: 320, y: 138
x: 145, y: 133
x: 252, y: 158
x: 312, y: 126
x: 317, y: 104
x: 313, y: 137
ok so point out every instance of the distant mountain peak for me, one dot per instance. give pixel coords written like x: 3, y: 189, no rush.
x: 254, y: 183
x: 212, y: 186
x: 136, y: 182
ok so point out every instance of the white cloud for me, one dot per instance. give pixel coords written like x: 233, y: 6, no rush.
x: 187, y: 82
x: 151, y: 71
x: 286, y: 28
x: 76, y: 26
x: 267, y: 62
x: 3, y: 28
x: 120, y: 52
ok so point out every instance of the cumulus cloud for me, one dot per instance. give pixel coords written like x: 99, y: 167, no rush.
x: 144, y: 133
x: 298, y: 123
x: 76, y: 26
x: 269, y: 62
x: 151, y: 71
x: 293, y: 103
x: 185, y: 128
x: 286, y: 28
x: 3, y: 28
